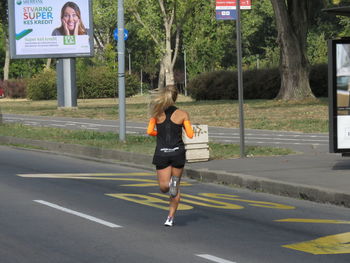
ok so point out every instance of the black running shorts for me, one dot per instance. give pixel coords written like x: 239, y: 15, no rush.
x: 177, y: 161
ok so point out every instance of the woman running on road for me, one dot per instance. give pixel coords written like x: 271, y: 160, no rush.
x: 169, y: 156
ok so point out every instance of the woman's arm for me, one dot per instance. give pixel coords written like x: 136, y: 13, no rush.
x: 188, y: 129
x: 151, y: 125
x: 187, y: 125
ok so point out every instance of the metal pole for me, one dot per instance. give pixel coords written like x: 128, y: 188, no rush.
x: 240, y: 78
x: 185, y: 73
x: 129, y: 51
x: 121, y: 70
x: 141, y: 81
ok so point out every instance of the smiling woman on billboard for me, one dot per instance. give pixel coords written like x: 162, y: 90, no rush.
x: 72, y: 23
x: 50, y: 28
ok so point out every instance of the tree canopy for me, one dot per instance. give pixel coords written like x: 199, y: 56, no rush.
x: 161, y: 31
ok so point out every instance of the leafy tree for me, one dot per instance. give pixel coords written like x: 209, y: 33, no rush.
x: 206, y: 40
x: 293, y: 20
x: 163, y: 22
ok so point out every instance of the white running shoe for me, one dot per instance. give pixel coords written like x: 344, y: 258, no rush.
x: 174, y: 186
x: 169, y: 221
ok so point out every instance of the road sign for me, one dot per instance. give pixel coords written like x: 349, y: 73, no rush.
x: 226, y: 9
x: 115, y: 33
x: 231, y: 4
x: 226, y: 14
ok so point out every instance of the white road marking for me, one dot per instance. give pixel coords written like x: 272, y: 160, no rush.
x: 91, y: 218
x: 214, y: 259
x: 261, y: 138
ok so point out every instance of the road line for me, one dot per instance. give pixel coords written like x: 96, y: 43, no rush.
x: 66, y: 210
x: 214, y: 259
x: 270, y: 138
x: 68, y: 175
x: 315, y: 221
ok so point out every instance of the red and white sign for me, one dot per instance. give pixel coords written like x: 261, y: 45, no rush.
x: 231, y: 4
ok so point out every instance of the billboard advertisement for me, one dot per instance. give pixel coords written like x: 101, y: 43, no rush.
x: 50, y: 28
x: 339, y: 95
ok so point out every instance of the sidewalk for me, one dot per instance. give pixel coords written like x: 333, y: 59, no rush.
x: 316, y: 176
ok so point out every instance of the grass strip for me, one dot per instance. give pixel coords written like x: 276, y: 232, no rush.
x: 138, y: 144
x: 308, y: 116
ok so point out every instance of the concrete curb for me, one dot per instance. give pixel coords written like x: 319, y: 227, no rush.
x: 311, y: 193
x: 299, y: 191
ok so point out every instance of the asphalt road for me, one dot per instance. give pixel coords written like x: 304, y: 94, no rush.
x: 298, y: 141
x: 61, y: 209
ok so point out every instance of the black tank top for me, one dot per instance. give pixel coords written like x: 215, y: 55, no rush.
x: 169, y: 135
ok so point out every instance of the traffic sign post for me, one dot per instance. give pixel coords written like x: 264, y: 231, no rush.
x: 121, y: 71
x: 228, y: 10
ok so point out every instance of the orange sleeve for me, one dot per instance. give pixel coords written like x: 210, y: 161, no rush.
x: 150, y: 129
x: 188, y: 129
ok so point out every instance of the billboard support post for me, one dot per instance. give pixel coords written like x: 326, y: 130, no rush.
x: 66, y: 83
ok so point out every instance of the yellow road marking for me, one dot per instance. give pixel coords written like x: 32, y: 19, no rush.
x: 335, y: 244
x: 154, y: 184
x: 68, y: 175
x: 316, y: 221
x: 103, y: 176
x: 251, y: 202
x: 149, y: 201
x: 209, y: 202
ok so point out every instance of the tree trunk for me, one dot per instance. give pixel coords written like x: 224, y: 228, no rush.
x: 169, y: 69
x: 7, y: 61
x: 48, y: 63
x: 161, y: 77
x: 292, y: 26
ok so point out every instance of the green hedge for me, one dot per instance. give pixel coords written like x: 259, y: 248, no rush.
x: 42, y: 86
x: 258, y: 84
x: 93, y: 82
x: 102, y: 82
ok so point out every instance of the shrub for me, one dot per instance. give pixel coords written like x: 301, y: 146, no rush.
x: 96, y: 82
x: 14, y: 89
x: 132, y: 85
x: 102, y: 82
x: 258, y: 84
x: 221, y: 85
x: 42, y: 86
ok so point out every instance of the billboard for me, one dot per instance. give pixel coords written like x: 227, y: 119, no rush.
x: 339, y: 95
x: 50, y: 28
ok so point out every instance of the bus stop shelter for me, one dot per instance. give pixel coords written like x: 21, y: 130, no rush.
x: 339, y: 89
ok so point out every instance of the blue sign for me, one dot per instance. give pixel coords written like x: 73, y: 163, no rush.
x: 126, y: 34
x: 226, y: 14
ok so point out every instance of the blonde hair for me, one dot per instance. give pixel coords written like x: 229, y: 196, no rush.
x: 161, y: 99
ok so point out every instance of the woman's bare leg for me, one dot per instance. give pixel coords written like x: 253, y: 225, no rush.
x: 164, y: 176
x: 174, y: 201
